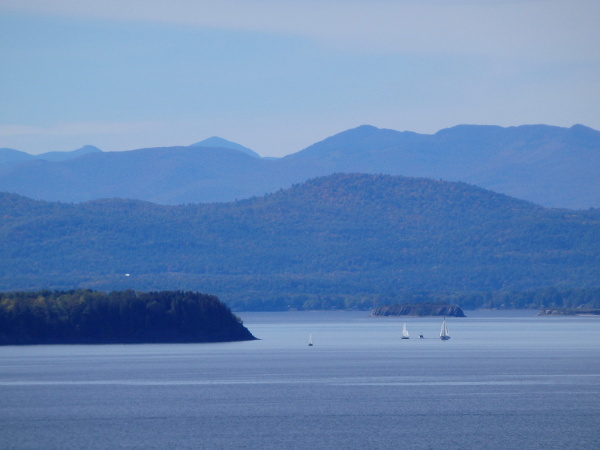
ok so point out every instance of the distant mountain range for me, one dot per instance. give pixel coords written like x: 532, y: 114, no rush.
x: 10, y: 156
x: 550, y: 166
x: 347, y: 240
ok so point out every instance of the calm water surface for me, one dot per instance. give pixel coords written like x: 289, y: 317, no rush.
x: 504, y: 380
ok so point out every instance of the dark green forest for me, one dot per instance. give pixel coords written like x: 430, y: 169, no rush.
x: 341, y: 241
x: 89, y: 317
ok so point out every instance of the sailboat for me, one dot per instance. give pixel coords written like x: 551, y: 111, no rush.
x: 310, y: 344
x: 444, y: 335
x: 404, y: 332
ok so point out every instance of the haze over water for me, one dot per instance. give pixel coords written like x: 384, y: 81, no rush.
x: 504, y: 380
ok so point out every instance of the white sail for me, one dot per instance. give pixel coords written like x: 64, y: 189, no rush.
x: 444, y: 335
x: 310, y: 343
x: 404, y: 332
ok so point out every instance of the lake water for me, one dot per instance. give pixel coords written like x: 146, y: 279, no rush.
x: 504, y: 380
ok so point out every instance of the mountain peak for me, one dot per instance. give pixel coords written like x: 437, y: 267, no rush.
x: 87, y: 149
x: 216, y: 141
x: 585, y: 136
x: 341, y: 145
x: 360, y: 132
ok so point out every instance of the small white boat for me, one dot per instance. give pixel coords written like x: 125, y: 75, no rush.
x: 444, y: 335
x: 405, y: 332
x: 310, y: 343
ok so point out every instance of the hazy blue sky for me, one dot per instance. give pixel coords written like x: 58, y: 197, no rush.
x: 279, y: 75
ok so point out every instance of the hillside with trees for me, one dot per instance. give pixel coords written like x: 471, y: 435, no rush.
x: 88, y: 317
x: 342, y: 241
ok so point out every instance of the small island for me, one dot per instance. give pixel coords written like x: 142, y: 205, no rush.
x: 418, y: 309
x: 124, y: 317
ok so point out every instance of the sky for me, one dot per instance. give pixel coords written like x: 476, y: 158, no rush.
x: 279, y: 75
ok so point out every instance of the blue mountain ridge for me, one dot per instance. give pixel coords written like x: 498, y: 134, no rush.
x: 12, y: 156
x: 548, y: 165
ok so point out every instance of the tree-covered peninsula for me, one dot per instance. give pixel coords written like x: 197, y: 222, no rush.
x: 91, y: 317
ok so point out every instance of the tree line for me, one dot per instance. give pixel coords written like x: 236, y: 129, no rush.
x: 586, y: 298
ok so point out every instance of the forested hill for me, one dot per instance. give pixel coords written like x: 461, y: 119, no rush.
x: 87, y: 317
x: 345, y: 239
